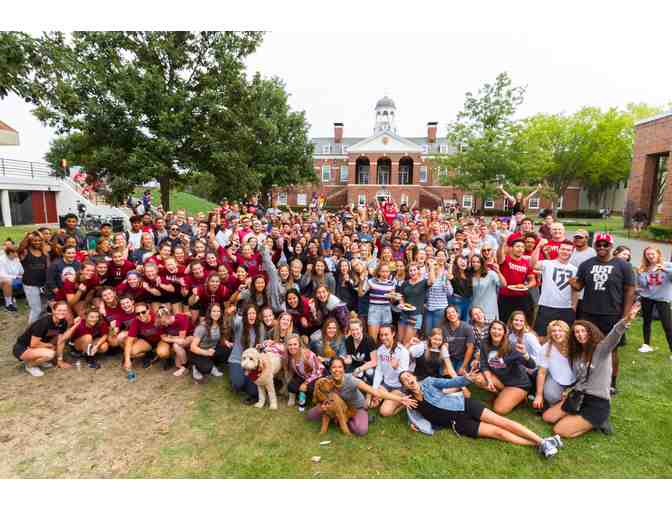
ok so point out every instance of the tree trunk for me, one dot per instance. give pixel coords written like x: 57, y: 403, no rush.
x: 164, y: 182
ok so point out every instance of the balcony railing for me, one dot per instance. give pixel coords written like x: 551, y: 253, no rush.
x: 17, y: 168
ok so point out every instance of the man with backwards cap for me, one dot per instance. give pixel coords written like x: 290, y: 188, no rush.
x: 609, y: 290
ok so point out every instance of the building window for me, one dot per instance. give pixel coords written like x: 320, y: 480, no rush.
x: 404, y: 175
x: 326, y: 173
x: 533, y: 203
x: 443, y: 148
x: 423, y: 174
x: 467, y: 201
x: 344, y: 173
x: 383, y: 175
x: 301, y: 199
x: 363, y: 174
x: 282, y: 198
x: 489, y: 203
x: 345, y: 149
x: 326, y: 149
x: 441, y: 173
x: 560, y: 201
x: 425, y: 148
x: 361, y: 200
x: 404, y: 199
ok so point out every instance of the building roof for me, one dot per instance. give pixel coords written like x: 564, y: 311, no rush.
x: 8, y: 135
x: 654, y: 118
x: 335, y: 148
x: 385, y: 102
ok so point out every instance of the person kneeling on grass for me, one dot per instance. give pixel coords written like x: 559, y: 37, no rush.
x: 91, y: 336
x: 351, y: 390
x: 438, y: 402
x: 45, y: 339
x: 208, y: 346
x: 587, y: 405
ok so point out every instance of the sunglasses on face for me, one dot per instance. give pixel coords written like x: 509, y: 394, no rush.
x: 141, y: 312
x: 601, y: 245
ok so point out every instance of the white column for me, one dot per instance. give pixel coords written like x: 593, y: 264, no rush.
x: 6, y: 211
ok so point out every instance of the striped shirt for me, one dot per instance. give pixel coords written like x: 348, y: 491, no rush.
x: 378, y: 289
x: 437, y: 294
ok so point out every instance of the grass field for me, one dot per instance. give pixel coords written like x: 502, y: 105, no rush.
x: 182, y: 200
x: 97, y: 424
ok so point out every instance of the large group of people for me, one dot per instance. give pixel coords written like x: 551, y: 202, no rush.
x: 402, y: 308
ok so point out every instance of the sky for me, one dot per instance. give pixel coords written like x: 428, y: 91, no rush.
x: 566, y: 60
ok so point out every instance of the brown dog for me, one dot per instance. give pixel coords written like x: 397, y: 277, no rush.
x: 332, y: 406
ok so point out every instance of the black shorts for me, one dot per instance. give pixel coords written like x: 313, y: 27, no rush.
x: 468, y: 422
x: 18, y: 350
x: 546, y: 314
x: 604, y: 323
x: 595, y: 410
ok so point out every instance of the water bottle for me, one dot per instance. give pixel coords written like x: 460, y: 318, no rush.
x: 78, y: 365
x: 130, y: 375
x: 302, y: 401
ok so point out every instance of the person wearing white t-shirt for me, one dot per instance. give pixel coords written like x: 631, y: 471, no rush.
x: 558, y: 299
x: 555, y: 373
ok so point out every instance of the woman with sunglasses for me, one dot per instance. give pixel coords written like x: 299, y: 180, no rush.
x: 143, y: 336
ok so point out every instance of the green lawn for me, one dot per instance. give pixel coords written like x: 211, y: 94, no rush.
x: 222, y: 438
x: 181, y: 199
x: 17, y: 233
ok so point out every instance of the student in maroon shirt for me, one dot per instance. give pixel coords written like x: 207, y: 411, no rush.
x: 213, y: 292
x: 90, y: 336
x: 132, y: 285
x: 175, y: 331
x: 194, y: 279
x: 519, y: 277
x: 157, y: 287
x: 118, y: 268
x: 119, y: 314
x: 173, y: 274
x: 250, y: 260
x: 143, y: 336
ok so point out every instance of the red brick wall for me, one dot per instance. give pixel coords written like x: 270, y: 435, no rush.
x: 650, y: 139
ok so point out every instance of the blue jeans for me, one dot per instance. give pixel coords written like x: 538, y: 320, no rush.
x: 379, y: 315
x: 432, y: 319
x: 462, y: 304
x: 240, y: 382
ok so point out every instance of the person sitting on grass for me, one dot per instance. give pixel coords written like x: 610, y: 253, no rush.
x: 352, y: 390
x: 91, y: 336
x: 588, y: 405
x: 143, y: 336
x: 45, y: 339
x: 437, y: 403
x: 11, y: 273
x: 305, y: 368
x: 392, y: 359
x: 555, y: 373
x: 208, y: 346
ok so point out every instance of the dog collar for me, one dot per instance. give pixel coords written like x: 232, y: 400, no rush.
x: 254, y: 374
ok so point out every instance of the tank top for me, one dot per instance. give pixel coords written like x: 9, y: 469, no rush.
x: 34, y: 270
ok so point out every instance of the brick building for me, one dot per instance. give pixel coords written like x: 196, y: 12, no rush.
x: 385, y: 164
x: 651, y: 165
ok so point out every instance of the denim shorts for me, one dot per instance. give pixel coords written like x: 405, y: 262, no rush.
x: 379, y: 315
x: 411, y: 319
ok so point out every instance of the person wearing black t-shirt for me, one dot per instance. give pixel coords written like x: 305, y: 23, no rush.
x: 361, y: 352
x: 34, y: 260
x: 609, y: 291
x: 44, y: 339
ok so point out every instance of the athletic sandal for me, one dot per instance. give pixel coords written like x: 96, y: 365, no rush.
x: 555, y: 441
x: 547, y: 449
x: 180, y: 372
x: 34, y: 371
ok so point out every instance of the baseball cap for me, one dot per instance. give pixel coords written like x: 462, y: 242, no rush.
x: 581, y: 233
x: 603, y: 237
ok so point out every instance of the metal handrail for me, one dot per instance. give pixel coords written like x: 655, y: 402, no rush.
x: 18, y: 168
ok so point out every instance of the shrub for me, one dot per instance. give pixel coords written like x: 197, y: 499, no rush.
x: 661, y: 232
x: 579, y: 213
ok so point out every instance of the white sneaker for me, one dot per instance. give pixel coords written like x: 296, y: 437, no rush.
x: 196, y: 374
x: 34, y: 371
x: 215, y: 372
x: 291, y: 400
x: 645, y: 348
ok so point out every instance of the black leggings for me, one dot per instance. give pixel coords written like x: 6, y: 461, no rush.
x: 204, y: 364
x: 293, y: 387
x: 665, y: 315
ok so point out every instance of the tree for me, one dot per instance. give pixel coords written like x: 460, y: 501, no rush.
x: 484, y: 135
x: 591, y: 147
x: 143, y: 101
x: 16, y: 57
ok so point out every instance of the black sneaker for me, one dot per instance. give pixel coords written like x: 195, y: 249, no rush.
x: 372, y: 418
x: 606, y: 428
x: 12, y: 308
x: 149, y: 358
x: 92, y: 363
x: 247, y: 400
x: 613, y: 390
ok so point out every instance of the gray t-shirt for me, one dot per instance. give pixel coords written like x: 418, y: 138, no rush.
x: 458, y: 338
x: 350, y: 393
x: 207, y: 339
